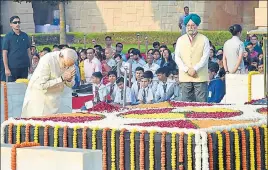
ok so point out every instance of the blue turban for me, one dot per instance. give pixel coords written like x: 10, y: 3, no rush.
x: 194, y: 17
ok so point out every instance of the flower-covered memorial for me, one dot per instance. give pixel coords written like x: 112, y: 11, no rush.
x: 168, y: 135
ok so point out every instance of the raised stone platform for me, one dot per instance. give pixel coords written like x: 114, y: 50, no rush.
x: 44, y: 158
x: 16, y: 92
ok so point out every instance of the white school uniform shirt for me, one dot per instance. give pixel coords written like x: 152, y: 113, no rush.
x: 119, y: 98
x: 147, y: 92
x: 151, y: 68
x: 108, y: 86
x: 135, y: 91
x: 102, y: 92
x: 160, y: 95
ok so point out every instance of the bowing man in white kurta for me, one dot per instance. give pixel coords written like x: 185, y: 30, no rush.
x: 43, y: 94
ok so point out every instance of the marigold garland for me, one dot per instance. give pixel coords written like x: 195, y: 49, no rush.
x: 94, y: 139
x: 65, y: 135
x: 14, y: 152
x: 10, y: 128
x: 122, y: 150
x: 5, y: 100
x: 251, y: 148
x: 84, y: 143
x: 142, y: 149
x: 244, y: 149
x: 227, y: 149
x: 258, y: 147
x: 220, y: 150
x: 113, y: 166
x: 46, y: 135
x: 173, y: 151
x: 265, y: 144
x: 189, y: 152
x: 27, y: 132
x: 210, y: 149
x: 249, y: 83
x: 236, y: 148
x: 163, y: 150
x: 132, y: 149
x: 36, y: 130
x: 151, y: 150
x: 104, y: 148
x: 18, y: 134
x: 75, y: 136
x: 181, y: 141
x: 56, y: 134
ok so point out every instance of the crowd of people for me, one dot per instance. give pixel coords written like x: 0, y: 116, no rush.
x: 154, y: 76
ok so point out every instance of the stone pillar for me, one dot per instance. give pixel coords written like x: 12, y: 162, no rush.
x: 261, y: 14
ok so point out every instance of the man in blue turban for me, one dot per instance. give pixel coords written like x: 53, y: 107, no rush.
x: 191, y: 55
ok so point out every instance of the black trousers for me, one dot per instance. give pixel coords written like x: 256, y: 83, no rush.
x: 18, y: 73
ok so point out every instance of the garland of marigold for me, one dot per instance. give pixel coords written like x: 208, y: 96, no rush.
x: 36, y: 130
x: 142, y: 149
x: 249, y: 83
x: 220, y: 150
x: 244, y: 149
x: 56, y: 134
x: 65, y: 134
x: 251, y: 148
x: 265, y: 144
x: 151, y: 150
x: 75, y: 136
x: 173, y: 151
x: 84, y: 143
x: 189, y: 152
x: 181, y: 141
x: 46, y: 135
x: 27, y: 132
x: 210, y: 149
x: 258, y: 147
x: 5, y: 100
x: 227, y: 147
x: 163, y: 151
x: 104, y: 148
x: 18, y: 134
x: 122, y: 150
x: 132, y: 149
x: 113, y: 166
x: 94, y: 143
x: 237, y: 150
x: 14, y: 152
x: 10, y: 128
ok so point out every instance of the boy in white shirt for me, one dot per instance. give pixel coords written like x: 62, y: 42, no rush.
x: 163, y: 85
x: 111, y: 86
x: 99, y: 90
x: 174, y: 92
x: 145, y: 95
x: 119, y: 93
x: 136, y: 84
x: 152, y: 82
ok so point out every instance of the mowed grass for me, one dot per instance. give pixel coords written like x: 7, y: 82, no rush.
x: 125, y: 49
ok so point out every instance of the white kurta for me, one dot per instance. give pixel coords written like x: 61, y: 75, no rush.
x: 43, y: 94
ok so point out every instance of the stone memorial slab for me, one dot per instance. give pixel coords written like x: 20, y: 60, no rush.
x: 44, y: 158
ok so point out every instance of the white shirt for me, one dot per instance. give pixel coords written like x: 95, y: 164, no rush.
x: 147, y: 92
x: 108, y: 86
x: 151, y: 68
x: 135, y: 91
x: 102, y: 92
x: 160, y: 94
x: 111, y: 62
x: 119, y: 96
x: 125, y: 65
x: 200, y: 64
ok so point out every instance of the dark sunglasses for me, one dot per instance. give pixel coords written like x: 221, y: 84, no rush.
x: 16, y: 22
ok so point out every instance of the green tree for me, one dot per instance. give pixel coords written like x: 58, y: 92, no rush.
x: 61, y: 4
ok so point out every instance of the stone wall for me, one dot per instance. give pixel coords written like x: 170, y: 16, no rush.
x: 23, y: 10
x: 107, y: 16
